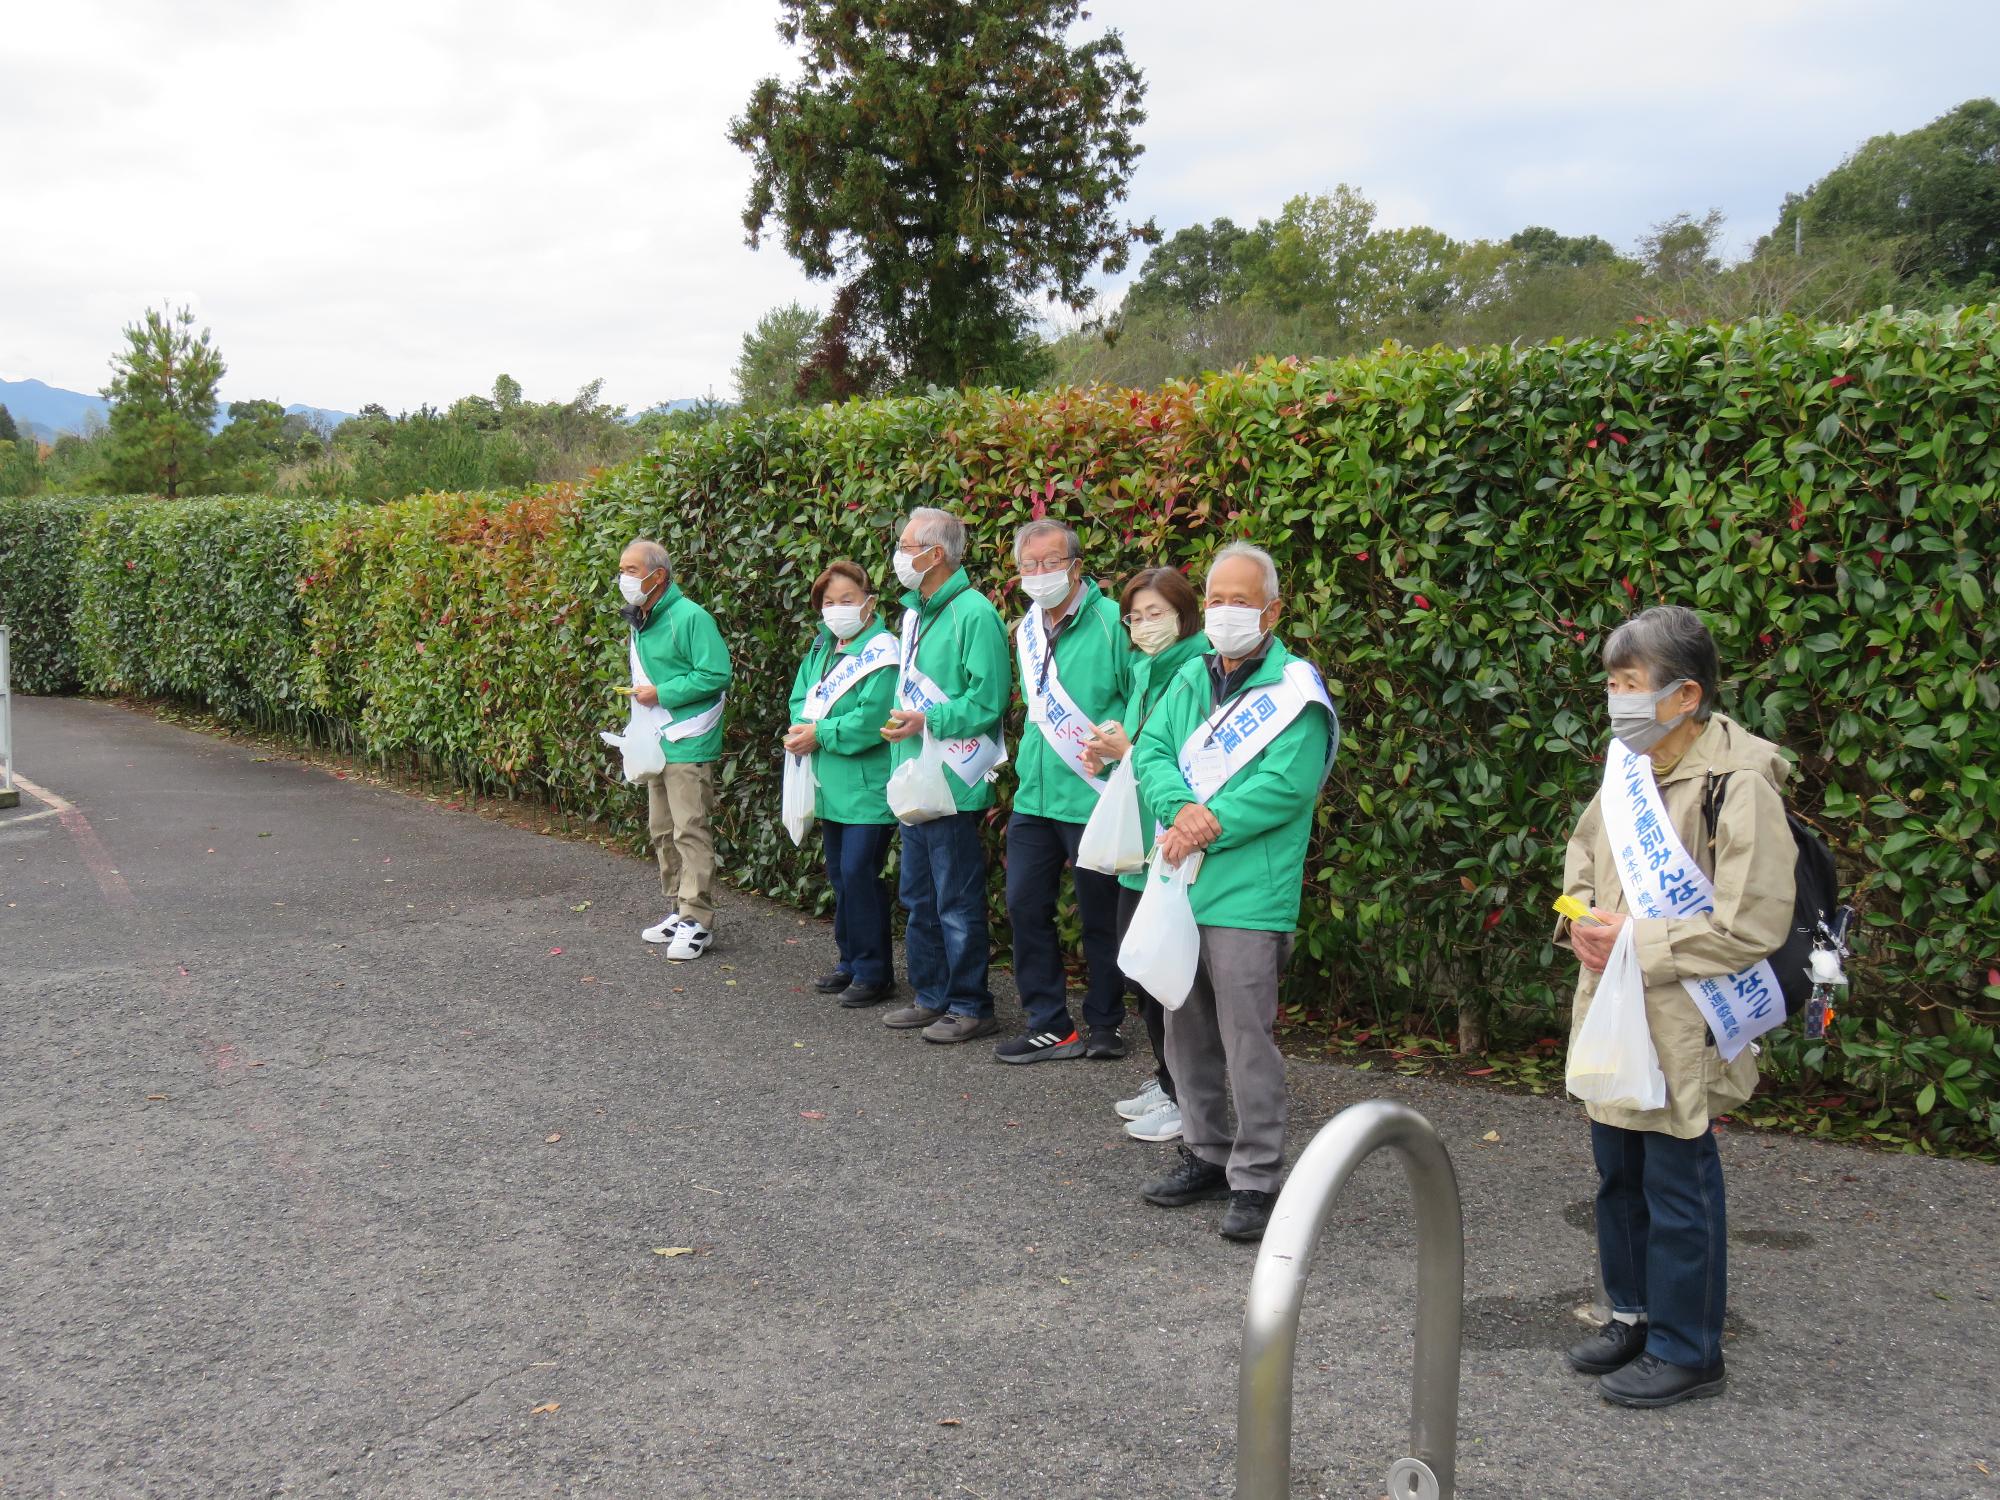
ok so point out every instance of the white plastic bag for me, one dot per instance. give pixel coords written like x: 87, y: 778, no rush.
x: 918, y: 791
x: 801, y: 782
x: 639, y: 744
x: 1612, y: 1059
x: 1114, y: 840
x: 1162, y: 947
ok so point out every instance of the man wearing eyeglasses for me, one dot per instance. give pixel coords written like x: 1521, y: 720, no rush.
x: 1232, y: 761
x: 1075, y: 663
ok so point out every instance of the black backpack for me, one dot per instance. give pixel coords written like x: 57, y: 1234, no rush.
x: 1818, y: 897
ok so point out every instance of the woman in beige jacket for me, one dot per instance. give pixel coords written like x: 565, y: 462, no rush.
x: 1661, y: 1229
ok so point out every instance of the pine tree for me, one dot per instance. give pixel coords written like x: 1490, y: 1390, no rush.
x: 162, y: 396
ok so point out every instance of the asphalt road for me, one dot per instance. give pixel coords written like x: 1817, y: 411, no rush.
x: 324, y: 1172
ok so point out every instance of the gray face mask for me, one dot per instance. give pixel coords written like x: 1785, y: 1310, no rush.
x: 1633, y: 720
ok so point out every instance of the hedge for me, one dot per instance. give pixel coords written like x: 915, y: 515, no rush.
x: 38, y: 541
x: 1458, y: 530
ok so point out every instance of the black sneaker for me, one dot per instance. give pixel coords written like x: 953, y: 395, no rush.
x: 861, y: 996
x: 1651, y: 1381
x: 1191, y: 1180
x: 1106, y: 1042
x: 1612, y: 1347
x: 1249, y: 1212
x: 1040, y: 1046
x: 833, y: 983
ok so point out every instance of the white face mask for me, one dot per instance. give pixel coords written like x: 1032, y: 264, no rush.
x: 1046, y: 589
x: 1233, y: 629
x: 634, y: 589
x: 1154, y: 636
x: 844, y: 620
x: 909, y: 572
x: 1634, y: 721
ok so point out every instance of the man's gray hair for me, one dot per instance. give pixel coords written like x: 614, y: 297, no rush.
x: 1257, y: 555
x: 1672, y: 645
x: 651, y: 553
x: 940, y: 528
x: 1046, y: 527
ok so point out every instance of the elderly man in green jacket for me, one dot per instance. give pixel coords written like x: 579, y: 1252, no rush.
x: 680, y: 671
x: 953, y: 684
x: 1076, y: 670
x: 1231, y: 762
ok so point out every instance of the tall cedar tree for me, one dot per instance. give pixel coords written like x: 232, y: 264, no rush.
x: 162, y: 396
x: 949, y: 158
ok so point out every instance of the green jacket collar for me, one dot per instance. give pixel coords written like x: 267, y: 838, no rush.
x: 663, y: 606
x: 1167, y: 662
x: 955, y: 585
x: 1269, y: 670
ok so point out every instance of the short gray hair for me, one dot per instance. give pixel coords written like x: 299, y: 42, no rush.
x: 1046, y: 527
x: 1257, y: 555
x: 1672, y: 645
x: 940, y: 528
x: 651, y: 553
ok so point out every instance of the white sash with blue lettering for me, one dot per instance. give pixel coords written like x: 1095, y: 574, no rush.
x: 1050, y: 709
x: 1218, y: 749
x: 971, y: 760
x: 882, y: 651
x: 661, y: 719
x: 1661, y: 879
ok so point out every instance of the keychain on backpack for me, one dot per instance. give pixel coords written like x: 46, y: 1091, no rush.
x: 1829, y: 948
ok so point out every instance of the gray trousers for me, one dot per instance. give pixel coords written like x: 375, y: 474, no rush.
x: 1219, y: 1042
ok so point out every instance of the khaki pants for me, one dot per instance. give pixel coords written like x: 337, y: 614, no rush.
x: 680, y: 813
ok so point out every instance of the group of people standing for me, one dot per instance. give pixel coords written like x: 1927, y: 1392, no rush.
x: 1230, y: 738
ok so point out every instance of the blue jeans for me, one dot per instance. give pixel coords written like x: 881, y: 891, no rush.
x: 1037, y: 850
x: 944, y: 891
x: 1662, y: 1238
x: 855, y: 855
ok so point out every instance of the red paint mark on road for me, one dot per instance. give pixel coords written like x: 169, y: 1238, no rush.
x: 89, y: 847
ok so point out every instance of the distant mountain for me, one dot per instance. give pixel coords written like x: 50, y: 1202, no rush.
x: 48, y: 411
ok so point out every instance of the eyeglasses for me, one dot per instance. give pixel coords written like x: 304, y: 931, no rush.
x: 1033, y: 567
x: 1135, y: 618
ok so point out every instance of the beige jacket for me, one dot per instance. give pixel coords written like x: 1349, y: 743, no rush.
x: 1751, y: 863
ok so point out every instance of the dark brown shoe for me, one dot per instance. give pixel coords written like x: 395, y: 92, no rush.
x: 910, y: 1017
x: 960, y: 1028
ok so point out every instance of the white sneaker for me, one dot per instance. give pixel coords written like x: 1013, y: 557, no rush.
x: 691, y: 940
x: 1163, y: 1124
x: 1148, y: 1099
x: 664, y: 932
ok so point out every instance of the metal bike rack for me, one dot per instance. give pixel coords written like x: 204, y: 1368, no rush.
x: 8, y: 796
x: 1277, y: 1286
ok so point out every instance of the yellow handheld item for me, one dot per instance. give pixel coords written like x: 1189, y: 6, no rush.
x: 1568, y: 906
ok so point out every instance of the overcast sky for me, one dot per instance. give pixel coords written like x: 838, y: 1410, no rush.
x: 395, y: 202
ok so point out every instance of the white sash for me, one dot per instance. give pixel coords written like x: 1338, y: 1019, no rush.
x: 1661, y: 879
x: 1212, y: 755
x: 971, y: 760
x: 882, y: 651
x: 661, y: 720
x: 1065, y: 726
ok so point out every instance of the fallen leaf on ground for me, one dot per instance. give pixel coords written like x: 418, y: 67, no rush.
x: 545, y: 1408
x: 555, y: 952
x: 151, y: 1097
x: 1491, y: 1135
x: 674, y: 1250
x: 1063, y: 1279
x: 812, y: 1114
x: 588, y: 979
x: 1013, y: 1124
x: 791, y: 942
x: 949, y: 1422
x: 729, y: 982
x: 183, y: 967
x: 798, y: 1044
x: 550, y: 1140
x: 584, y: 906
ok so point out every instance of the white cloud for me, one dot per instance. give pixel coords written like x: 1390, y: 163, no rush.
x: 396, y: 201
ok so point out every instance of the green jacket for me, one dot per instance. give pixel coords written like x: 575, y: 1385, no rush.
x: 683, y: 654
x: 962, y: 647
x: 1253, y: 874
x: 1151, y: 676
x: 852, y: 762
x: 1094, y: 660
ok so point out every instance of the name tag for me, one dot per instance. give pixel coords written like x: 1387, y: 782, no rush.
x: 1211, y: 764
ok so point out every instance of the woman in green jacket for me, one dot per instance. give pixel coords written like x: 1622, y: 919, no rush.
x: 844, y: 690
x: 1160, y: 610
